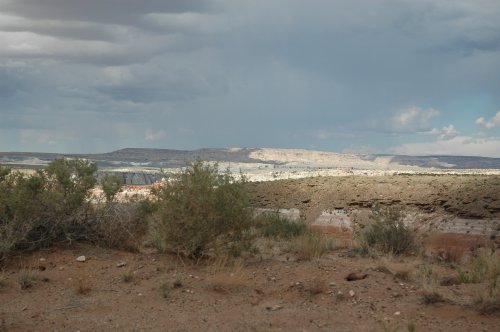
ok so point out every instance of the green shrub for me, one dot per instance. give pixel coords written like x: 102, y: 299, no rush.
x: 274, y: 225
x: 201, y: 212
x: 52, y: 206
x: 388, y: 233
x: 43, y: 208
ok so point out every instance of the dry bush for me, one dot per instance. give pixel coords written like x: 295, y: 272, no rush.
x: 311, y: 245
x: 118, y: 225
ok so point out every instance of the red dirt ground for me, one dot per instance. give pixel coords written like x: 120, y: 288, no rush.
x: 262, y: 295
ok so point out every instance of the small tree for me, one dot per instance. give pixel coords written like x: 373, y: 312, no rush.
x: 202, y: 211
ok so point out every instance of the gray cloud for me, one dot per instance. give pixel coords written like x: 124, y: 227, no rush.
x: 323, y: 74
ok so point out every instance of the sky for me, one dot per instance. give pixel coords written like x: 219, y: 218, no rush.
x: 415, y: 77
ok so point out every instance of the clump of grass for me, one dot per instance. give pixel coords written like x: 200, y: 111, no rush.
x: 388, y: 234
x: 390, y: 328
x: 128, y: 276
x: 27, y: 278
x: 177, y: 283
x: 82, y: 287
x: 275, y: 225
x: 165, y: 289
x: 316, y: 286
x: 3, y: 280
x: 311, y: 245
x: 483, y: 266
x: 431, y: 297
x: 488, y: 302
x: 227, y: 275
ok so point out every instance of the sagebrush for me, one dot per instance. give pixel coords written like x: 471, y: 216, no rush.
x: 388, y: 233
x: 201, y: 212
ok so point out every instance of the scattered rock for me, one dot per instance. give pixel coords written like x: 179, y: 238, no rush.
x: 274, y: 307
x: 42, y: 259
x: 81, y: 259
x: 351, y: 293
x: 355, y: 276
x: 121, y: 264
x: 397, y: 313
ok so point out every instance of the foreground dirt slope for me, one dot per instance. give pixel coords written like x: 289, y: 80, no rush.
x: 267, y: 295
x: 464, y: 196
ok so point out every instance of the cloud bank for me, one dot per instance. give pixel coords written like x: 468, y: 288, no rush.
x: 90, y: 76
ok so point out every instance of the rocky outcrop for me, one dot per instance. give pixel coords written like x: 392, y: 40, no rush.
x: 135, y: 178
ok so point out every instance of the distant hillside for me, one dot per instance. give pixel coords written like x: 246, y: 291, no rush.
x: 166, y: 158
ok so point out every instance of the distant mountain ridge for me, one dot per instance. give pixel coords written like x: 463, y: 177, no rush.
x: 169, y: 158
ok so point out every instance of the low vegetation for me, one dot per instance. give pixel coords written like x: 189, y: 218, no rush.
x: 53, y: 206
x: 165, y: 289
x: 388, y: 233
x: 310, y: 245
x: 27, y: 278
x: 274, y: 225
x: 483, y: 265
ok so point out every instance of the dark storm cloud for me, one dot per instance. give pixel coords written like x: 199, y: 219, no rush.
x: 126, y: 12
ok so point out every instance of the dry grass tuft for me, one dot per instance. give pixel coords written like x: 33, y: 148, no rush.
x: 165, y: 289
x: 431, y: 297
x: 82, y: 287
x: 27, y: 278
x: 227, y: 276
x: 3, y: 280
x: 316, y: 286
x: 483, y: 266
x: 311, y: 245
x: 488, y: 302
x: 127, y: 276
x: 403, y: 275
